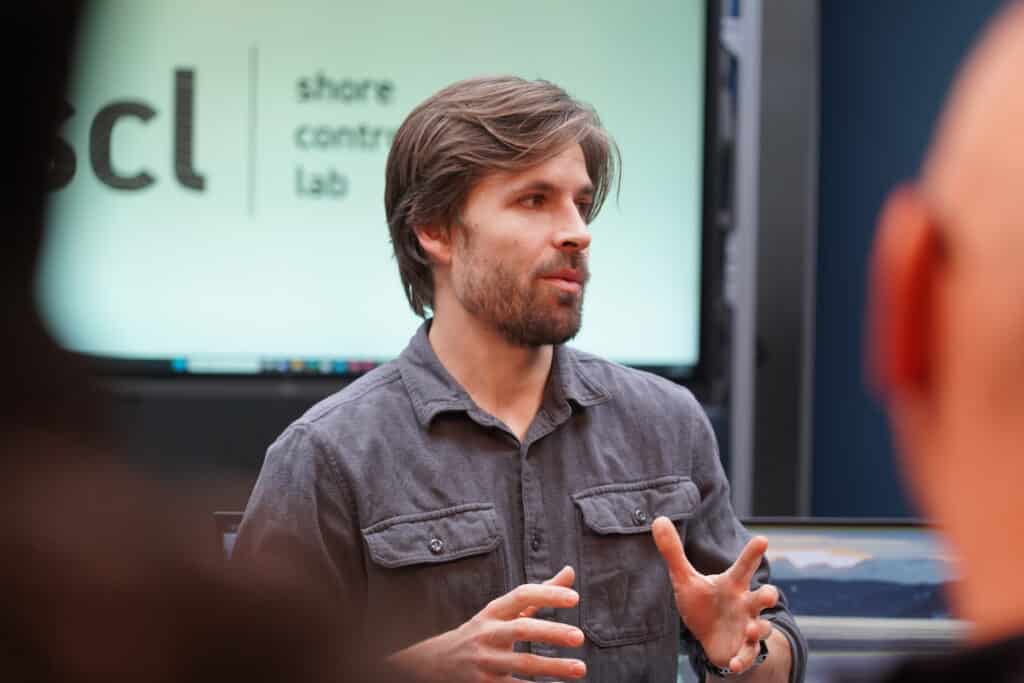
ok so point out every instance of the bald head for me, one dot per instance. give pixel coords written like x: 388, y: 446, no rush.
x: 973, y: 185
x: 953, y: 245
x: 946, y: 341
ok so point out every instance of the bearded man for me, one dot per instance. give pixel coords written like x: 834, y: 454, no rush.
x: 452, y: 499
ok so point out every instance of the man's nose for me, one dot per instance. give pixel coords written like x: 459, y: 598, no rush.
x: 573, y: 233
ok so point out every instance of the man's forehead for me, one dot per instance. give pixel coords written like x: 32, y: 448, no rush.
x: 566, y: 171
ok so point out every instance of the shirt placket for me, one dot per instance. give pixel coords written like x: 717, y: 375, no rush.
x: 537, y: 535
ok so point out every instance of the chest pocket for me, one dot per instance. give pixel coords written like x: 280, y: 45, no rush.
x: 625, y: 594
x: 430, y: 572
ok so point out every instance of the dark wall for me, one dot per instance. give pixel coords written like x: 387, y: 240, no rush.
x: 208, y: 434
x: 885, y: 70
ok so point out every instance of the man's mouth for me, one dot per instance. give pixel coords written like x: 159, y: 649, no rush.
x: 567, y: 279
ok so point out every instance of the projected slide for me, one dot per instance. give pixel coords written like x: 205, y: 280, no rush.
x: 217, y: 195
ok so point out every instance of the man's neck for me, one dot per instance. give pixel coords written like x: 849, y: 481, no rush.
x: 975, y: 503
x: 988, y: 592
x: 504, y: 379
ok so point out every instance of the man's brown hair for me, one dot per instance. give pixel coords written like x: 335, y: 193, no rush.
x: 461, y: 133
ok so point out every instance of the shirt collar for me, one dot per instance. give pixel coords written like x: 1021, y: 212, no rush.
x: 433, y: 390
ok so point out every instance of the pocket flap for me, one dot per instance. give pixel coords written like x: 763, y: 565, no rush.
x: 432, y: 537
x: 630, y: 508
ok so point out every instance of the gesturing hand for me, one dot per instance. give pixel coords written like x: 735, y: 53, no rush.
x: 720, y: 609
x: 481, y: 649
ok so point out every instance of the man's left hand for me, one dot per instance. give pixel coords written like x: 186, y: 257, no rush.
x: 720, y: 610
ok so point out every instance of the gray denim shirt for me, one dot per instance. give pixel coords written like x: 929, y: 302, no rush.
x: 414, y: 507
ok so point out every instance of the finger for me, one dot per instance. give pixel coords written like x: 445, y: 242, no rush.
x: 744, y: 659
x: 509, y: 606
x: 524, y: 629
x: 527, y: 664
x: 763, y: 598
x: 671, y: 548
x: 566, y: 577
x: 758, y: 629
x: 742, y: 570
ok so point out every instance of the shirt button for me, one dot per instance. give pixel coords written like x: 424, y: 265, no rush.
x: 436, y: 545
x: 639, y: 517
x: 535, y: 543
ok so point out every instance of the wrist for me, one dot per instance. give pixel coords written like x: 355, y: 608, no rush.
x: 412, y: 660
x: 711, y: 671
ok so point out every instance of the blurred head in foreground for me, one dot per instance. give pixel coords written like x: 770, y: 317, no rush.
x: 104, y: 578
x: 946, y: 344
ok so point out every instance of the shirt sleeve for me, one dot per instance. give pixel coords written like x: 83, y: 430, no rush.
x: 301, y: 520
x: 715, y: 537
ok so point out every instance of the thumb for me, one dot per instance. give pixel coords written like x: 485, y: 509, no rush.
x: 671, y: 548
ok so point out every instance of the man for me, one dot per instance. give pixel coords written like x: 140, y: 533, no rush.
x: 473, y: 481
x: 945, y: 349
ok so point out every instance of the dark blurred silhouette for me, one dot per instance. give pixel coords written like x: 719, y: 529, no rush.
x: 106, y: 575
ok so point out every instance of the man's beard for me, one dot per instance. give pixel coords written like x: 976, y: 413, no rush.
x: 529, y: 316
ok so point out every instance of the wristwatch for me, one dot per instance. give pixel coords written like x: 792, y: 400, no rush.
x: 724, y: 671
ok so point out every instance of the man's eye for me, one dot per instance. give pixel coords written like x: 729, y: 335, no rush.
x: 584, y: 206
x: 532, y: 201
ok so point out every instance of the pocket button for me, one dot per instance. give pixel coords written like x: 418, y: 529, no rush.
x: 639, y: 517
x: 436, y: 545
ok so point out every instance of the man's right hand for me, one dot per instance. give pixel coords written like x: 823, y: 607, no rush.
x: 481, y: 649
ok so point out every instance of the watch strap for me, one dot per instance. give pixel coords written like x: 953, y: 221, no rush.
x: 724, y: 671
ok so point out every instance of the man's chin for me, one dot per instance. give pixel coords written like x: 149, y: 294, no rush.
x: 568, y: 333
x: 567, y: 321
x: 543, y: 334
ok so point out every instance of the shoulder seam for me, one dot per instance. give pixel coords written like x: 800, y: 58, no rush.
x: 317, y: 440
x: 393, y: 375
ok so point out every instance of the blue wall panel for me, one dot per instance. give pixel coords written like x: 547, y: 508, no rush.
x: 885, y: 69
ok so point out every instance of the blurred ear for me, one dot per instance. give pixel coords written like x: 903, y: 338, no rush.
x: 435, y: 240
x: 906, y: 262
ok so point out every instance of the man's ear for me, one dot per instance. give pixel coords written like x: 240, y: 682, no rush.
x: 436, y: 242
x: 906, y: 262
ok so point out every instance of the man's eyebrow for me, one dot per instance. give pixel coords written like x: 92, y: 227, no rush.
x: 545, y: 186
